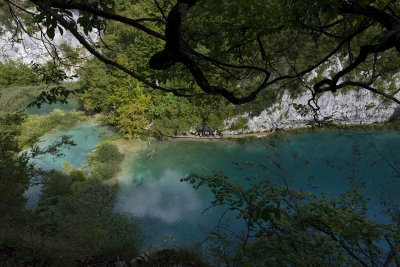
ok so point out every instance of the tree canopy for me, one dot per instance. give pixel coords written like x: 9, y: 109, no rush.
x: 236, y: 49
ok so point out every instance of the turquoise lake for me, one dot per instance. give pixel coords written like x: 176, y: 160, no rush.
x: 86, y: 136
x: 165, y: 207
x: 150, y: 186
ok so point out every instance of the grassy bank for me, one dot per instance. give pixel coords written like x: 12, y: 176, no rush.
x: 16, y: 98
x: 36, y: 126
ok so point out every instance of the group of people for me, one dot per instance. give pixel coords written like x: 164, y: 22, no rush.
x: 206, y: 133
x: 201, y: 133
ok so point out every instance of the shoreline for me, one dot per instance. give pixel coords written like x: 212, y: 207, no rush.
x: 134, y: 148
x: 225, y: 136
x: 131, y: 147
x: 256, y: 135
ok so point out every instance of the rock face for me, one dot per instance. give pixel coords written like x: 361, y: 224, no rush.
x: 351, y: 108
x: 28, y: 49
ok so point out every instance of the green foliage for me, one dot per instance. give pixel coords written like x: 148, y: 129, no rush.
x: 105, y: 152
x: 240, y: 123
x: 265, y: 100
x: 291, y: 227
x: 213, y: 121
x: 88, y: 208
x: 174, y: 257
x: 133, y: 104
x: 16, y: 73
x: 393, y: 124
x: 85, y: 20
x: 95, y: 99
x: 36, y: 126
x: 127, y: 103
x: 53, y: 76
x: 15, y: 76
x: 177, y: 116
x: 232, y: 45
x: 75, y: 215
x: 95, y: 228
x: 113, y: 137
x: 58, y: 184
x: 16, y: 98
x: 95, y: 81
x: 104, y: 162
x: 16, y: 167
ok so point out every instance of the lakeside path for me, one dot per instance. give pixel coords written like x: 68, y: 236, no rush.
x: 257, y: 135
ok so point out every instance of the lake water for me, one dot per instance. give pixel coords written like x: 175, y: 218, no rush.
x: 86, y: 136
x: 165, y: 207
x: 73, y: 104
x: 150, y: 186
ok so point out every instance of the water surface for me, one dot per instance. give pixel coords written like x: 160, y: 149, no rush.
x: 150, y: 186
x: 151, y: 190
x: 86, y: 135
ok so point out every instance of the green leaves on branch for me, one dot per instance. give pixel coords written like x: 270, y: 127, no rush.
x: 52, y: 76
x: 285, y: 226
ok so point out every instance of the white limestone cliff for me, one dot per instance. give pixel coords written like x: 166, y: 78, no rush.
x: 353, y: 107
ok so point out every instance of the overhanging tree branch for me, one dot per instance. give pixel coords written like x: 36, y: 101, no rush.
x: 73, y: 29
x: 178, y: 51
x: 369, y: 88
x: 79, y: 5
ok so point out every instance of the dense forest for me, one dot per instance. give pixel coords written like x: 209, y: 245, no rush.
x: 159, y: 69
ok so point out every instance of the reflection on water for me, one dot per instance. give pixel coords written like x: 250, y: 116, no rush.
x: 151, y: 187
x: 85, y: 135
x: 165, y: 199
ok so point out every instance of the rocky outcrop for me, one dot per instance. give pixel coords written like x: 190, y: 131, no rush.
x: 32, y: 49
x: 351, y: 108
x: 28, y: 49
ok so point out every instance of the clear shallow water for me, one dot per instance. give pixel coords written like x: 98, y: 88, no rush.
x: 151, y: 190
x: 86, y: 136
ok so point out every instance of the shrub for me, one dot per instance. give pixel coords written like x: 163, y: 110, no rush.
x: 36, y: 126
x: 13, y: 73
x: 240, y: 123
x: 104, y: 162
